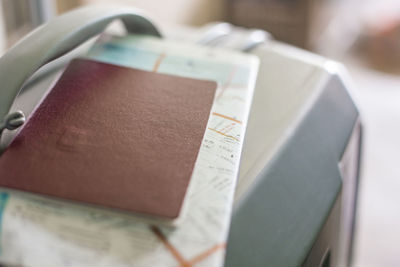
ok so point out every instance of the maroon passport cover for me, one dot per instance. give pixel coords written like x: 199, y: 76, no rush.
x: 112, y: 136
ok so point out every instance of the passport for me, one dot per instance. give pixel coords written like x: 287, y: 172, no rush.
x: 112, y: 136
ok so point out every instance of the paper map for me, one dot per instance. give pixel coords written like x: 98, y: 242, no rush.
x: 37, y: 231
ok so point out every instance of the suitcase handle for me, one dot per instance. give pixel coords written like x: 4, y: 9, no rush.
x: 52, y: 40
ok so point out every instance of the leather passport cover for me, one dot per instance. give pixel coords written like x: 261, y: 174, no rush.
x: 112, y: 136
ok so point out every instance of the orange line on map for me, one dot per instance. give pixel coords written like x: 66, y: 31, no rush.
x: 207, y: 253
x: 227, y: 128
x: 158, y: 62
x: 230, y: 136
x: 226, y: 117
x: 238, y: 98
x: 178, y: 256
x: 174, y: 252
x: 226, y: 85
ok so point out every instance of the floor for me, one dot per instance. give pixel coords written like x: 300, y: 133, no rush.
x: 378, y: 219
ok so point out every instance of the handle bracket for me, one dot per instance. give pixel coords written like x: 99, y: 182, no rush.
x: 52, y: 40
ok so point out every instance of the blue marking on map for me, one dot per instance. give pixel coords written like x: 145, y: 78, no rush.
x: 3, y: 201
x: 123, y: 56
x: 128, y: 55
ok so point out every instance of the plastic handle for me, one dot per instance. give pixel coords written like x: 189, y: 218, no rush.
x: 56, y: 38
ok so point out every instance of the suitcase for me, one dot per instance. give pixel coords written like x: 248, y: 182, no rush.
x: 296, y: 195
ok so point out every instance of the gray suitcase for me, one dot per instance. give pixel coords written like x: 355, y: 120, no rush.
x: 296, y: 196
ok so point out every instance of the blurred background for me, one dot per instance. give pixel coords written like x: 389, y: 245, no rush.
x: 362, y: 34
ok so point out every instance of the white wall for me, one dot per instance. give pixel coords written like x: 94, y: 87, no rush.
x: 192, y: 12
x: 2, y: 31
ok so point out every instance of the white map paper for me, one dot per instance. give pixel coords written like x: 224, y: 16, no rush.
x: 37, y: 231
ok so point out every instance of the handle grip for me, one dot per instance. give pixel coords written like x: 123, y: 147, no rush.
x: 56, y: 38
